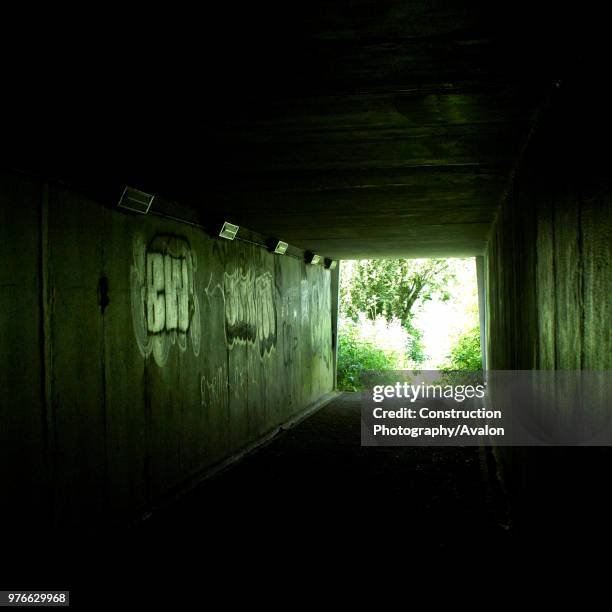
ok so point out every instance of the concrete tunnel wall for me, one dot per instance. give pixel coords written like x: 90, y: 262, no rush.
x: 549, y: 255
x: 116, y: 389
x: 548, y: 288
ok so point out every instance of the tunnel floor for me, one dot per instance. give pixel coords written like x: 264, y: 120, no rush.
x: 316, y: 483
x: 312, y: 501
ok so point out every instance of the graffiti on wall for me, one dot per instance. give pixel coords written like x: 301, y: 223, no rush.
x: 165, y: 306
x: 213, y: 390
x: 320, y: 326
x: 316, y: 306
x: 250, y: 310
x: 305, y: 296
x: 239, y: 383
x: 290, y: 304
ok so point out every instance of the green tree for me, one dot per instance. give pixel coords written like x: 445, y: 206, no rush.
x: 356, y: 355
x: 465, y: 354
x: 394, y: 288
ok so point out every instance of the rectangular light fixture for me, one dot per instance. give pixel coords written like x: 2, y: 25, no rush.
x: 312, y: 258
x: 281, y: 247
x: 228, y: 231
x: 135, y: 200
x: 330, y: 264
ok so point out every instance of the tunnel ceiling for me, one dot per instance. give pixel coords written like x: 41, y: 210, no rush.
x: 355, y: 129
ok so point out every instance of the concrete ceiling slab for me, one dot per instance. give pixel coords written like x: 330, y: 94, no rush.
x: 356, y: 129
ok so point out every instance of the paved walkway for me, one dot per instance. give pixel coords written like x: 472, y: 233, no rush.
x: 307, y: 508
x: 316, y: 483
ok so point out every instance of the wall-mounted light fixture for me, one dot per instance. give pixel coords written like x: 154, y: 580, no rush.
x: 228, y: 230
x: 277, y: 246
x: 135, y: 200
x: 312, y: 258
x: 330, y: 264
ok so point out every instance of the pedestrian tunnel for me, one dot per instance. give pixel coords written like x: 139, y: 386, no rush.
x: 170, y: 280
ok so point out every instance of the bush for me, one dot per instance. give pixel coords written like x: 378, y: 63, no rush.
x: 465, y: 354
x: 415, y: 349
x: 356, y: 355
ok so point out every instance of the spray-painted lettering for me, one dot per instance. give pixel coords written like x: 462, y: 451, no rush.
x: 165, y: 306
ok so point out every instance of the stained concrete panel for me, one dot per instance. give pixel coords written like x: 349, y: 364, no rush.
x: 151, y: 353
x: 75, y: 251
x: 548, y: 299
x: 596, y: 224
x: 23, y: 418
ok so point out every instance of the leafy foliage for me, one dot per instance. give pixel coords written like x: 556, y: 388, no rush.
x: 465, y: 354
x: 395, y: 287
x: 415, y: 350
x: 379, y: 302
x: 356, y: 355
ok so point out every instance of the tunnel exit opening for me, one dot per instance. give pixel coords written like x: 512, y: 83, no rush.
x: 396, y: 314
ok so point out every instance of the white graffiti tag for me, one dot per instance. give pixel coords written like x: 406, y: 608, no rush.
x: 250, y: 310
x: 165, y: 306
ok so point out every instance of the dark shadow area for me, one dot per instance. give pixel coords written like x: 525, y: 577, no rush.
x: 316, y: 482
x: 313, y: 492
x: 315, y: 500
